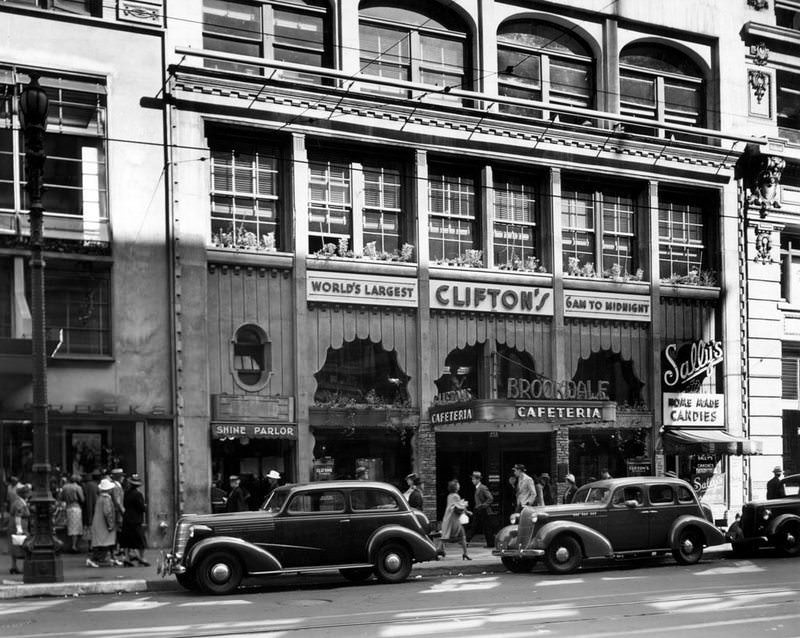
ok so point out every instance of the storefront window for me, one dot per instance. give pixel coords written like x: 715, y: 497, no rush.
x: 385, y: 452
x: 592, y: 450
x: 361, y: 372
x: 461, y: 371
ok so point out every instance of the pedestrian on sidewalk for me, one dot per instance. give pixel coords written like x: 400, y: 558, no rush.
x: 527, y: 494
x: 480, y: 518
x: 775, y: 488
x: 73, y: 497
x: 237, y: 497
x: 132, y: 538
x: 414, y: 493
x: 19, y: 516
x: 104, y: 527
x: 572, y: 487
x: 452, y: 525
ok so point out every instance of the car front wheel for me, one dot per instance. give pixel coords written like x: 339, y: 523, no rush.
x: 219, y: 573
x: 393, y: 563
x: 563, y: 555
x: 518, y: 565
x: 787, y: 540
x: 688, y: 548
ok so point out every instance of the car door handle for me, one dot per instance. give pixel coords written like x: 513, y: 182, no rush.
x: 344, y: 520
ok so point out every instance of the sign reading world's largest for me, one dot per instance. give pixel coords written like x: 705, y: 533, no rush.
x: 495, y: 298
x: 373, y: 290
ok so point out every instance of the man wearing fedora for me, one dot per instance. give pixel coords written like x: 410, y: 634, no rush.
x: 526, y: 488
x: 237, y: 497
x: 480, y: 510
x: 775, y: 488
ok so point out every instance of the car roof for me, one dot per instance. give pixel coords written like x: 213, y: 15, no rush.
x: 637, y: 480
x: 340, y: 484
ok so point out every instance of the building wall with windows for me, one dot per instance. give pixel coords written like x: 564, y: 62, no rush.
x: 462, y: 236
x: 106, y: 250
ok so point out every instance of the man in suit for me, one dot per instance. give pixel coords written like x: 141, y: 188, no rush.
x: 480, y: 511
x: 775, y: 488
x: 237, y: 497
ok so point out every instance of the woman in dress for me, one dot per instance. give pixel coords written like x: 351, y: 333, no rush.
x: 414, y: 493
x: 452, y: 528
x: 132, y: 535
x: 19, y: 514
x: 73, y: 497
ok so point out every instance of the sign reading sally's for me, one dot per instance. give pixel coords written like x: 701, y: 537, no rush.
x: 686, y: 366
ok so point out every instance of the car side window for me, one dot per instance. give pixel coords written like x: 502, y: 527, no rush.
x: 630, y: 493
x: 791, y: 487
x: 661, y: 494
x: 685, y: 495
x: 318, y: 501
x: 365, y: 500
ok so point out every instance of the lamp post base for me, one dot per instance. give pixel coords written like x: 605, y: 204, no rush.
x: 43, y: 566
x: 42, y: 550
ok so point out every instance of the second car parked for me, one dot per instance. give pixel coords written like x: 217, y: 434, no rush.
x: 615, y: 518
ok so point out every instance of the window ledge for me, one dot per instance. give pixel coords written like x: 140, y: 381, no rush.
x: 597, y: 283
x: 687, y: 291
x: 364, y: 266
x: 67, y: 357
x: 485, y: 275
x: 228, y: 256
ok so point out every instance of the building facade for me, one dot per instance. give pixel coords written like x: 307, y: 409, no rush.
x: 457, y: 236
x: 106, y: 244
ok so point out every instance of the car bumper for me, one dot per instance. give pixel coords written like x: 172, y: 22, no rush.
x: 169, y: 564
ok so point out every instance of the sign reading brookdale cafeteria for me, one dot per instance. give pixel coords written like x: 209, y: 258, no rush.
x: 494, y: 298
x: 367, y: 289
x: 604, y: 305
x: 695, y: 410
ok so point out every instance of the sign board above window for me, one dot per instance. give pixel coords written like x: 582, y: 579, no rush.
x: 501, y: 298
x: 695, y: 410
x: 251, y: 408
x: 372, y: 290
x: 603, y: 305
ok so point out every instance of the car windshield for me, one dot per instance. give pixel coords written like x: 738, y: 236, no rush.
x: 589, y: 494
x: 275, y: 501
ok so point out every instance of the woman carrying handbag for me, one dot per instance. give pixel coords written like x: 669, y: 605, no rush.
x: 19, y: 514
x: 455, y: 517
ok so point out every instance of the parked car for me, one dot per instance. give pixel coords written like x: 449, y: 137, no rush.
x: 357, y: 527
x: 613, y: 518
x: 774, y: 523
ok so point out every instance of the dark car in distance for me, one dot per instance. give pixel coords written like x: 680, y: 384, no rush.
x: 774, y: 523
x: 613, y: 518
x: 356, y: 527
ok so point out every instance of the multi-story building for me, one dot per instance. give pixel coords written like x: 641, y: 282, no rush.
x: 106, y: 243
x: 449, y: 236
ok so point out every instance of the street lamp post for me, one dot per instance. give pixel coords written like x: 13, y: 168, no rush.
x: 42, y: 560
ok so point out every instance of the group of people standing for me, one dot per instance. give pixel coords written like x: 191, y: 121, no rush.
x: 105, y: 508
x: 240, y: 499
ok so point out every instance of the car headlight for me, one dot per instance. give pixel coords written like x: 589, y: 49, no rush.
x: 766, y: 514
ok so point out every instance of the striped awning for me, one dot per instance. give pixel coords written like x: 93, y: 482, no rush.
x: 707, y: 441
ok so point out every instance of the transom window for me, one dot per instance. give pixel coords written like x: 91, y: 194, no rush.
x: 599, y: 227
x: 681, y: 237
x: 660, y: 83
x: 285, y: 30
x: 244, y: 195
x: 356, y: 206
x: 452, y: 215
x: 544, y: 62
x: 417, y: 42
x: 515, y: 216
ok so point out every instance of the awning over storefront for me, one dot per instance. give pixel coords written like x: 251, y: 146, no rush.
x: 707, y: 441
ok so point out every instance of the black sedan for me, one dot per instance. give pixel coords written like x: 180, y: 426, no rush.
x: 356, y: 527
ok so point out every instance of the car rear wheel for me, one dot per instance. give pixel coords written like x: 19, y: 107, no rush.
x: 688, y: 548
x: 219, y: 573
x: 187, y: 581
x: 563, y: 555
x: 357, y: 574
x: 787, y: 539
x: 392, y: 563
x: 518, y: 565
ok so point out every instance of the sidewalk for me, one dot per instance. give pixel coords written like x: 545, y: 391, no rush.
x: 80, y: 579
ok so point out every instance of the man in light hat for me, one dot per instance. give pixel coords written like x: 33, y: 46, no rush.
x: 572, y: 487
x: 775, y: 488
x: 480, y: 510
x: 237, y: 497
x: 362, y: 473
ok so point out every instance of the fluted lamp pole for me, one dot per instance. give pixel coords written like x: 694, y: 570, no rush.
x: 42, y: 559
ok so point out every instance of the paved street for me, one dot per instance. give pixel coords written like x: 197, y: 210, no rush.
x: 718, y: 597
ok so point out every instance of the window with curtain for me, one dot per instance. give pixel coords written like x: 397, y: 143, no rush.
x: 357, y: 203
x: 683, y: 234
x: 245, y: 195
x: 543, y: 62
x: 663, y: 84
x: 417, y: 42
x: 599, y: 228
x: 452, y: 214
x: 515, y: 217
x: 297, y: 31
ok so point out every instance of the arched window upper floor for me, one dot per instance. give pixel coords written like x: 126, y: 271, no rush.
x: 659, y: 82
x: 416, y: 41
x: 538, y: 60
